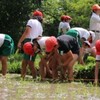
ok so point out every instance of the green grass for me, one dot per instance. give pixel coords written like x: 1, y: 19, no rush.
x: 14, y: 88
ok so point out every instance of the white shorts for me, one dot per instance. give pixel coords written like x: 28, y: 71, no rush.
x: 97, y: 57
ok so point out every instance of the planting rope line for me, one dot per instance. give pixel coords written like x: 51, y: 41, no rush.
x: 85, y: 79
x: 17, y: 51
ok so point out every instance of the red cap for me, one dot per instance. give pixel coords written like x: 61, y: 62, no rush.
x: 68, y: 17
x: 28, y: 49
x: 37, y: 13
x: 95, y: 7
x: 63, y: 17
x: 97, y: 45
x: 50, y: 43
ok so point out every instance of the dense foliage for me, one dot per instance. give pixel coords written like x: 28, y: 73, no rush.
x: 15, y: 13
x: 13, y: 16
x: 79, y: 11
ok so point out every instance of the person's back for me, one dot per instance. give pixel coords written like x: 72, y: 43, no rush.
x: 6, y: 49
x: 67, y: 43
x: 41, y: 41
x: 33, y: 30
x: 82, y: 32
x: 36, y: 28
x: 6, y: 42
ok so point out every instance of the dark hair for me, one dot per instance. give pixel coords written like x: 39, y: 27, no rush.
x: 35, y: 41
x: 39, y: 18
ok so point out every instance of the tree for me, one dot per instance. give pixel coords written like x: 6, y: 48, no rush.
x: 13, y: 16
x: 37, y: 2
x: 79, y: 11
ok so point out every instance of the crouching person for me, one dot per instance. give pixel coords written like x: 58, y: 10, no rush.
x: 6, y: 49
x: 30, y: 53
x: 70, y: 48
x: 44, y: 68
x: 37, y: 46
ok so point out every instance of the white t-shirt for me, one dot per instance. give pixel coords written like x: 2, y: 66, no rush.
x: 41, y: 42
x: 2, y: 37
x: 60, y: 26
x: 64, y: 26
x: 95, y: 22
x: 36, y: 28
x: 98, y: 57
x: 83, y: 33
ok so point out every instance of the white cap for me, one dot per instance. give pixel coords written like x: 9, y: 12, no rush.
x: 92, y: 34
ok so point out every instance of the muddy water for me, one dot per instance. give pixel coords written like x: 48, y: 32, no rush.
x: 13, y: 88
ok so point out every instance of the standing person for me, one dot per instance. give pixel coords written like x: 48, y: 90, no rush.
x: 70, y: 48
x: 33, y: 30
x: 95, y: 22
x: 97, y: 46
x: 67, y: 21
x: 6, y: 49
x: 64, y: 25
x: 60, y: 27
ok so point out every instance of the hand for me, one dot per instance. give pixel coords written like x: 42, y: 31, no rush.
x: 19, y: 45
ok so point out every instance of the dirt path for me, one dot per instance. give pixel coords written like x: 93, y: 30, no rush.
x: 13, y: 88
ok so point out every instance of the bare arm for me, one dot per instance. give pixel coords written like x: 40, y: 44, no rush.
x: 26, y: 32
x: 81, y: 54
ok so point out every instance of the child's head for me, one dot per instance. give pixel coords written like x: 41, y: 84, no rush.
x: 68, y: 18
x: 51, y: 43
x: 96, y: 8
x: 30, y: 48
x: 63, y: 18
x: 38, y: 15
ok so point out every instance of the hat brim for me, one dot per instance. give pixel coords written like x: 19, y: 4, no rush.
x: 87, y: 42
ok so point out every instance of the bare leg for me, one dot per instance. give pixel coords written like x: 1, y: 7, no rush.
x: 70, y: 67
x: 96, y: 72
x: 42, y: 70
x: 53, y: 64
x: 33, y: 70
x: 23, y: 70
x: 4, y: 65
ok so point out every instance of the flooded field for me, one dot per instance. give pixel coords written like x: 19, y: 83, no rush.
x: 13, y: 88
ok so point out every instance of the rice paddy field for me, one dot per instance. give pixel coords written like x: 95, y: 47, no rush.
x: 14, y: 88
